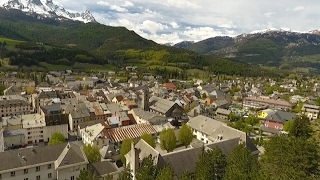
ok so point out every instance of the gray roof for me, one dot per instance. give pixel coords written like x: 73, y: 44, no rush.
x: 147, y: 115
x: 204, y: 124
x: 43, y: 154
x: 280, y: 116
x: 226, y: 146
x: 12, y: 89
x: 47, y: 94
x: 13, y: 132
x: 78, y: 110
x: 223, y: 111
x: 160, y: 105
x: 103, y: 168
x: 52, y: 107
x: 13, y: 103
x: 221, y: 102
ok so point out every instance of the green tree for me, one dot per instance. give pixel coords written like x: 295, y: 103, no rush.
x: 165, y: 173
x: 252, y: 120
x: 241, y: 165
x: 147, y: 170
x: 125, y: 148
x: 289, y: 157
x: 86, y: 174
x: 92, y: 153
x: 185, y: 135
x: 126, y: 174
x: 168, y: 140
x: 185, y: 176
x: 211, y: 165
x: 288, y: 126
x: 233, y: 117
x: 148, y: 138
x: 56, y: 138
x: 301, y: 127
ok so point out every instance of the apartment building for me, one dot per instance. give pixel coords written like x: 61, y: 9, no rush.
x: 311, y: 111
x: 19, y: 83
x: 13, y: 105
x: 34, y: 128
x: 61, y: 161
x: 260, y: 102
x: 42, y: 98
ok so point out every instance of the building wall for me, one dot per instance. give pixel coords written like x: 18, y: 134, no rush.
x: 35, y: 135
x: 63, y: 129
x: 273, y: 124
x: 70, y: 171
x: 201, y: 136
x: 32, y: 173
x: 1, y: 139
x: 310, y: 115
x: 15, y: 140
x: 74, y: 122
x: 14, y: 110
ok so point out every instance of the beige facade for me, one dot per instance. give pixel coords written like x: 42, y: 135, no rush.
x: 13, y: 105
x: 62, y: 128
x: 35, y: 130
x: 19, y: 83
x: 93, y: 135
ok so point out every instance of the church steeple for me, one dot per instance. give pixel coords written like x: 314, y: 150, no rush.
x: 145, y: 100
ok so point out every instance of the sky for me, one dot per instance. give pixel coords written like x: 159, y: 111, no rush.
x: 172, y: 21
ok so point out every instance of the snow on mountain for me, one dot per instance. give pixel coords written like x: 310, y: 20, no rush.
x: 46, y: 9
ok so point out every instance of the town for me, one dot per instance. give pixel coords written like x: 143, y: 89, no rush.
x: 112, y: 115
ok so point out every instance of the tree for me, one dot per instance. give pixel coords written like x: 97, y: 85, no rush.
x: 289, y: 157
x: 185, y: 135
x: 92, y: 153
x: 148, y: 139
x: 147, y: 170
x: 185, y: 176
x: 125, y: 148
x: 168, y: 140
x: 211, y: 165
x: 252, y: 120
x: 241, y: 165
x: 233, y: 117
x: 301, y: 127
x: 165, y: 173
x: 86, y: 174
x: 288, y: 126
x: 126, y: 174
x: 56, y: 138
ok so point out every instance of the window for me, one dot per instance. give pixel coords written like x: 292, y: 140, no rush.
x: 13, y: 173
x: 72, y: 177
x: 25, y: 171
x: 25, y: 179
x: 38, y: 168
x: 38, y: 178
x: 49, y: 166
x: 49, y: 175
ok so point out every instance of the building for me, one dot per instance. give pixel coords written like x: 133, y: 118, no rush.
x: 94, y: 136
x: 13, y: 105
x: 77, y: 114
x: 222, y: 114
x: 14, y: 138
x: 56, y: 123
x: 274, y: 120
x: 61, y: 161
x: 258, y: 102
x: 142, y: 117
x: 34, y: 128
x: 311, y: 111
x: 42, y: 98
x: 105, y: 169
x: 1, y: 138
x: 12, y: 90
x: 19, y: 83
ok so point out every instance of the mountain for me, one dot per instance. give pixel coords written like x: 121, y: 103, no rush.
x: 183, y: 44
x: 46, y: 9
x: 282, y: 48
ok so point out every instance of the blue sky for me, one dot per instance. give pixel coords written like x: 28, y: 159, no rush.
x: 173, y: 21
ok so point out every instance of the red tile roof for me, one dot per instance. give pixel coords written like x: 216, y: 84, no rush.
x: 169, y: 86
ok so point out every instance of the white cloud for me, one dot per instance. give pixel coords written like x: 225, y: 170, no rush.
x: 152, y: 26
x: 269, y: 14
x: 128, y: 4
x: 181, y: 4
x: 298, y: 8
x: 202, y: 32
x: 174, y: 25
x: 118, y: 8
x: 103, y: 3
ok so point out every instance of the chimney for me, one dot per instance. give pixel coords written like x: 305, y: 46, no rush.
x: 134, y: 159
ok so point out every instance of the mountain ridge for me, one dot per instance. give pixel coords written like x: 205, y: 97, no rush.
x: 46, y: 9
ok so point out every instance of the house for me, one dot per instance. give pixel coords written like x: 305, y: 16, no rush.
x: 117, y: 135
x: 13, y: 138
x: 19, y: 83
x: 42, y: 98
x: 167, y: 108
x: 77, y: 114
x: 222, y: 114
x: 311, y: 111
x: 12, y: 90
x: 141, y: 117
x: 50, y: 109
x: 93, y: 135
x: 56, y: 123
x: 220, y: 104
x: 180, y: 160
x: 170, y: 87
x: 60, y: 161
x: 14, y: 105
x: 262, y: 102
x: 274, y: 119
x: 104, y: 170
x: 34, y: 128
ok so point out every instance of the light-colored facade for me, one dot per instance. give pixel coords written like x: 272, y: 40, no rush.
x: 35, y: 130
x: 311, y: 111
x: 61, y: 128
x: 13, y: 105
x: 19, y: 83
x: 261, y: 102
x: 93, y: 135
x: 62, y: 161
x: 1, y: 138
x: 14, y: 137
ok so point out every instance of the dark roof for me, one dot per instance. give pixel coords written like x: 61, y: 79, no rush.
x: 13, y: 103
x: 103, y: 168
x: 31, y: 156
x: 12, y: 89
x: 90, y: 123
x: 56, y: 119
x: 181, y: 161
x: 226, y: 146
x: 51, y: 108
x: 47, y: 94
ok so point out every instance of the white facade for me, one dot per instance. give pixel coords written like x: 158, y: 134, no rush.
x: 93, y: 135
x: 1, y: 139
x: 62, y: 128
x: 34, y: 128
